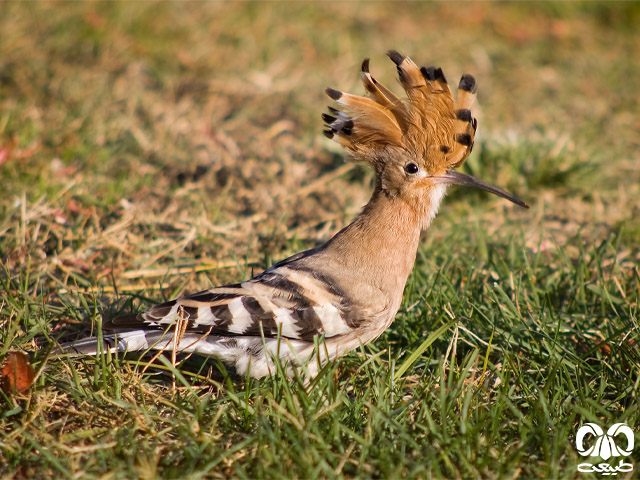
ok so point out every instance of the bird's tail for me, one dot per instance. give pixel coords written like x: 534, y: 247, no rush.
x: 130, y: 341
x: 244, y: 353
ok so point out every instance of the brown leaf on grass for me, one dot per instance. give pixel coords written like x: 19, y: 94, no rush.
x: 4, y: 155
x: 16, y: 374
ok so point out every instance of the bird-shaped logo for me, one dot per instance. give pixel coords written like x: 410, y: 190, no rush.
x: 604, y: 445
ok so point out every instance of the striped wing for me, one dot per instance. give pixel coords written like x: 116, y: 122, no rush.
x: 287, y: 301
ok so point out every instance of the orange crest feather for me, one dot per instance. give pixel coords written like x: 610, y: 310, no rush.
x: 428, y: 124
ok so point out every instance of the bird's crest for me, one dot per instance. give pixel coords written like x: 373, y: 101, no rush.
x: 428, y: 124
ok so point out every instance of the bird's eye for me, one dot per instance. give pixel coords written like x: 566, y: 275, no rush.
x: 411, y: 168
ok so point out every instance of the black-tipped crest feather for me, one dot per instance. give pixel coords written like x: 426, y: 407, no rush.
x: 334, y: 94
x: 396, y: 57
x: 467, y: 83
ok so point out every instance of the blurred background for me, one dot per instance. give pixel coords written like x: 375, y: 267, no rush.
x: 139, y: 137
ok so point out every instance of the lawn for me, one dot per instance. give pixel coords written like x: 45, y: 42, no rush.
x: 153, y: 149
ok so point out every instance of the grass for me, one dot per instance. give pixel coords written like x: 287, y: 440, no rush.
x: 152, y: 149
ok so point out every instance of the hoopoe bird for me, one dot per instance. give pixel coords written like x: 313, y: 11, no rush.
x: 321, y: 303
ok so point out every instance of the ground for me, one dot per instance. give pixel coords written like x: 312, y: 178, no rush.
x: 151, y: 149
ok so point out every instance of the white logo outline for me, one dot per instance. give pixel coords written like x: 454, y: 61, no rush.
x: 605, y: 447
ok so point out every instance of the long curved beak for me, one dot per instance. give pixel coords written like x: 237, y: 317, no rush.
x: 453, y: 177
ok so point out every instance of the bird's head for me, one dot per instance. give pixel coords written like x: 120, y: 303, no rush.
x: 414, y: 143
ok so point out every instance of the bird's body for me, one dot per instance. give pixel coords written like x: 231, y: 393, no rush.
x: 322, y: 303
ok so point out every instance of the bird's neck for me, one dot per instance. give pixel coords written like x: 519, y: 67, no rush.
x: 380, y: 245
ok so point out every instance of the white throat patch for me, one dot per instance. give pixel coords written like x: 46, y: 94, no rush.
x: 435, y: 197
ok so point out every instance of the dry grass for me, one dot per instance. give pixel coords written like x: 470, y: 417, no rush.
x: 132, y: 145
